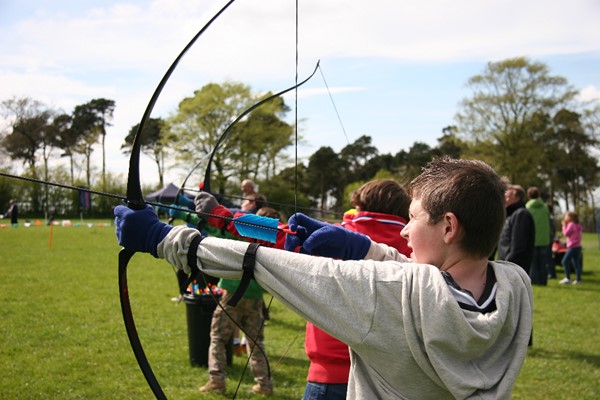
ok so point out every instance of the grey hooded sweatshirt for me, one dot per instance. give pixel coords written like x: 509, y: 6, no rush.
x: 409, y: 332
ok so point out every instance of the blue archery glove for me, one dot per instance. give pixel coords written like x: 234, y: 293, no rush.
x: 185, y: 201
x: 139, y: 230
x: 337, y: 242
x: 304, y: 226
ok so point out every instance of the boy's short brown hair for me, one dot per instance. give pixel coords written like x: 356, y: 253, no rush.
x: 384, y: 196
x: 471, y: 190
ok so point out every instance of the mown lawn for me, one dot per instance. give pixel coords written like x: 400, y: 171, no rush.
x: 63, y: 336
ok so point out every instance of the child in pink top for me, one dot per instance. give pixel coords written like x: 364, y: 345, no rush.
x: 572, y: 258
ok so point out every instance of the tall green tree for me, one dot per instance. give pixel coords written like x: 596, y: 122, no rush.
x: 352, y: 166
x: 449, y: 144
x: 498, y: 119
x: 411, y: 161
x: 104, y: 110
x: 89, y: 123
x: 200, y: 121
x: 66, y: 140
x: 572, y: 170
x: 31, y: 137
x: 84, y: 127
x: 287, y: 189
x: 355, y: 156
x: 261, y: 139
x: 323, y: 183
x: 153, y: 144
x: 28, y: 120
x: 381, y: 162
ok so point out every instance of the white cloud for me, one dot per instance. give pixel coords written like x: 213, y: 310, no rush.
x: 589, y: 93
x: 59, y: 91
x: 251, y: 37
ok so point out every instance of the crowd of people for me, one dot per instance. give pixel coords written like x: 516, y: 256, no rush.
x: 529, y: 234
x: 423, y: 292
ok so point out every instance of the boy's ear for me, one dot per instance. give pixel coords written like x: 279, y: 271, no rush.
x: 452, y: 228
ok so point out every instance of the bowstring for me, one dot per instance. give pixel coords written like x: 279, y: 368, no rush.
x: 295, y: 186
x: 333, y: 103
x: 296, y: 118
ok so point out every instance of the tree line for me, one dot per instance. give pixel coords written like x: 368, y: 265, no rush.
x: 37, y: 135
x: 530, y: 125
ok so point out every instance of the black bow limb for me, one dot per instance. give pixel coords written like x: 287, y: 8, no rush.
x: 135, y: 200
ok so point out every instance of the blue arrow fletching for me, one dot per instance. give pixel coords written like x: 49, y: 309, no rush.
x: 257, y: 227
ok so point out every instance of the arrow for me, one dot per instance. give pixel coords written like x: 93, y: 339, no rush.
x: 248, y: 225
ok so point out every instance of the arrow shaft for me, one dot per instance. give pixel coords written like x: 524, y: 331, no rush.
x: 121, y: 197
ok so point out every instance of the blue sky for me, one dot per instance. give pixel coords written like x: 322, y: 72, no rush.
x: 396, y: 69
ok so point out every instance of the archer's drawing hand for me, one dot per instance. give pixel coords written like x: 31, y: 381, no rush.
x: 303, y: 226
x: 337, y: 242
x: 139, y: 230
x: 205, y: 202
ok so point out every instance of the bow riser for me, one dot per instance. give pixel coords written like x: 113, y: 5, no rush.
x: 135, y: 200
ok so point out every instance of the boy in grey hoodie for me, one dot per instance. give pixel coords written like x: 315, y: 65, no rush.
x: 446, y: 323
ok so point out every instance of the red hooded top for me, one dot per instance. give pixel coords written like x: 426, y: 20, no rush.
x: 330, y: 358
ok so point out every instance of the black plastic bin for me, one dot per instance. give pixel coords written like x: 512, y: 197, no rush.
x: 199, y: 310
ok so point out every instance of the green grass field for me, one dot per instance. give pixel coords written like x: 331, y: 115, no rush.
x: 63, y: 335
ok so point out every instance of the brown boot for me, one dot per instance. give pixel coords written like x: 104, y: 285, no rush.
x: 212, y: 386
x: 265, y: 391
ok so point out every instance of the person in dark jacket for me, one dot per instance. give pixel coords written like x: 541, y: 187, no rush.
x: 518, y: 234
x: 517, y: 240
x: 13, y: 212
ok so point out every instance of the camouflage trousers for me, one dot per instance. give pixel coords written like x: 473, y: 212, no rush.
x: 248, y: 313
